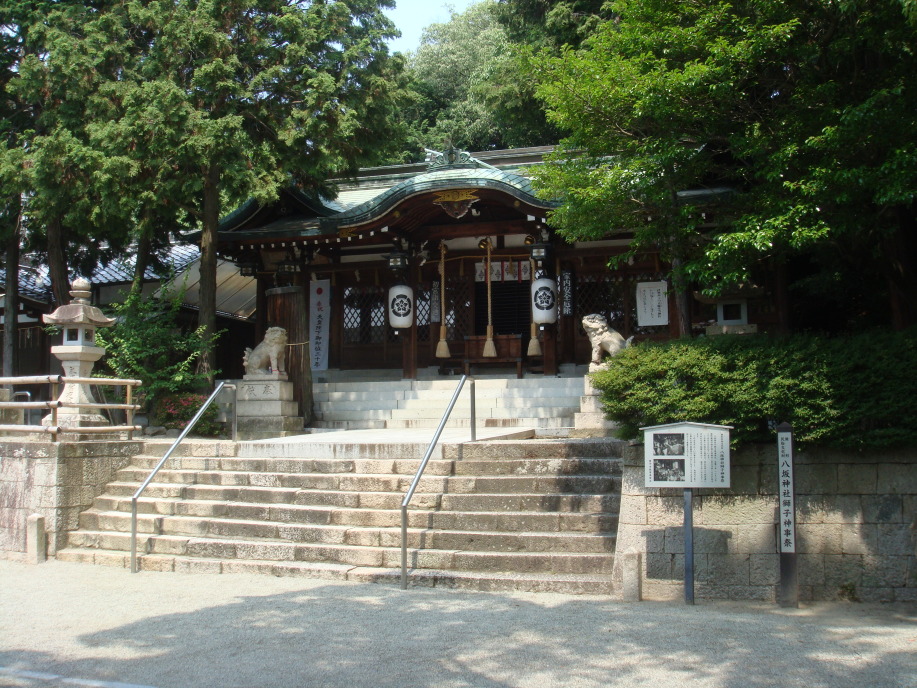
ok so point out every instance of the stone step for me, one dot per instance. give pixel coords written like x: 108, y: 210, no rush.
x: 193, y: 447
x: 422, y: 516
x: 348, y: 424
x: 274, y: 471
x: 356, y: 555
x: 530, y: 514
x: 539, y: 448
x: 589, y: 503
x: 482, y: 413
x: 563, y: 583
x: 520, y: 422
x: 295, y: 472
x: 449, y: 384
x: 458, y: 484
x: 382, y: 406
x: 527, y: 502
x: 362, y: 394
x: 166, y: 535
x: 538, y: 466
x: 494, y: 399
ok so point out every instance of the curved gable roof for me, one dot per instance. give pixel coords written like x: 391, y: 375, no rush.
x: 439, y: 180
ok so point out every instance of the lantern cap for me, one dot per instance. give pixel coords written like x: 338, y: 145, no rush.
x: 79, y: 312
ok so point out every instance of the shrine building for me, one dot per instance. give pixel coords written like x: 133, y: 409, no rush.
x: 445, y: 266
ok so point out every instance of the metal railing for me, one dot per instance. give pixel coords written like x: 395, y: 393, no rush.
x: 55, y: 381
x: 235, y: 431
x: 423, y: 465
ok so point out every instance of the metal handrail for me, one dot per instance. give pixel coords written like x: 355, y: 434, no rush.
x: 219, y: 388
x: 423, y: 465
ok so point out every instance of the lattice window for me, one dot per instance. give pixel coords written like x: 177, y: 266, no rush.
x: 422, y: 295
x: 603, y: 295
x: 459, y: 310
x: 365, y: 320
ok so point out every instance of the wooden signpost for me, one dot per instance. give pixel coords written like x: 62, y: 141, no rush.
x: 788, y: 591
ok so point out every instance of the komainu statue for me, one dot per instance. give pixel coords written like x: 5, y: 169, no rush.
x: 604, y: 340
x: 269, y: 356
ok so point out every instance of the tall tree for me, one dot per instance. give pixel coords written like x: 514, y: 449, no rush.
x: 469, y: 89
x: 805, y: 111
x: 551, y: 23
x: 193, y: 104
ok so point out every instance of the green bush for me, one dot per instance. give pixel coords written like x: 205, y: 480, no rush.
x: 148, y: 343
x: 174, y: 411
x: 850, y: 392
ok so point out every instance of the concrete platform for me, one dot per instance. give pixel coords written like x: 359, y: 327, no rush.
x: 401, y: 436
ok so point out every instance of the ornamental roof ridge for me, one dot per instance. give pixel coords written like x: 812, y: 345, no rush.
x: 452, y: 158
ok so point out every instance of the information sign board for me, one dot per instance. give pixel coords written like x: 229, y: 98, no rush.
x: 652, y: 304
x: 687, y: 455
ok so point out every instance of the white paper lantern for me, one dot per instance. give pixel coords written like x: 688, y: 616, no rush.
x: 544, y: 301
x: 401, y: 306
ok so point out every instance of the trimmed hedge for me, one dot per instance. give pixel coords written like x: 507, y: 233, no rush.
x: 846, y: 392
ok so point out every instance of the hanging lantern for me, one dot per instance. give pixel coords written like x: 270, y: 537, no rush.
x: 544, y: 301
x: 400, y: 307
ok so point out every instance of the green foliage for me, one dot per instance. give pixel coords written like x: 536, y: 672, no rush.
x: 849, y: 392
x: 468, y: 87
x: 174, y: 411
x: 807, y: 111
x: 147, y: 116
x: 149, y: 344
x: 550, y: 23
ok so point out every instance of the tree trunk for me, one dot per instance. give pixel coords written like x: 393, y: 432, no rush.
x: 57, y: 262
x: 142, y: 261
x: 11, y: 301
x: 207, y: 316
x: 682, y: 306
x: 901, y: 266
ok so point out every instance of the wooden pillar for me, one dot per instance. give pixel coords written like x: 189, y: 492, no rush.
x: 287, y: 308
x: 549, y: 349
x: 409, y: 352
x: 261, y: 325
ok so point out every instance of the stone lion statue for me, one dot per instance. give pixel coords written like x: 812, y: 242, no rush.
x: 604, y: 340
x: 270, y: 355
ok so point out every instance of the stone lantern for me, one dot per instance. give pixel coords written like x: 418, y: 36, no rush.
x: 78, y: 353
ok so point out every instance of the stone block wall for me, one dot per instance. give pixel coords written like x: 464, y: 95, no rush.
x: 57, y: 480
x: 856, y: 528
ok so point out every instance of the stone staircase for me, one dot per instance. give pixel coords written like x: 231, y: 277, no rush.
x: 547, y: 404
x: 517, y: 514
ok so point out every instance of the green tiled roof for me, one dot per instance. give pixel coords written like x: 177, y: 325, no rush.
x: 454, y: 178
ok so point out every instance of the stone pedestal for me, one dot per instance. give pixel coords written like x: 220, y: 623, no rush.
x: 591, y: 421
x: 77, y: 361
x: 266, y: 407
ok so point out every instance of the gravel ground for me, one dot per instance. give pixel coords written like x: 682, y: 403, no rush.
x: 65, y: 624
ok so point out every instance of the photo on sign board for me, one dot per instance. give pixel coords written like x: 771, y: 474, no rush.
x: 669, y: 470
x: 669, y: 444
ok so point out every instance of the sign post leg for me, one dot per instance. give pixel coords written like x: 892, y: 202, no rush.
x: 689, y: 545
x: 788, y: 590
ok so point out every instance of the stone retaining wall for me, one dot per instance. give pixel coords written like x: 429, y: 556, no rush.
x: 56, y: 480
x: 856, y: 528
